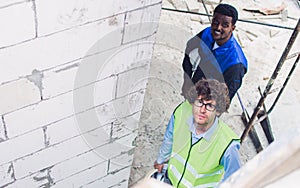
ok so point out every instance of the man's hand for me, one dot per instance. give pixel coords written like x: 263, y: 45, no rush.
x: 159, y: 167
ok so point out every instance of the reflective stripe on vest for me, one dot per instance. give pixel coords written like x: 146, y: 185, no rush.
x: 193, y: 171
x: 188, y: 184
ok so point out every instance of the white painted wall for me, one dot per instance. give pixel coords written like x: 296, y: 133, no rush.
x: 73, y: 76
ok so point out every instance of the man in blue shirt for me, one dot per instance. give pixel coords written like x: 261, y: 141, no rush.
x: 214, y: 53
x: 200, y: 149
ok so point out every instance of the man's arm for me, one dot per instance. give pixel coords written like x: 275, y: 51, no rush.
x: 233, y: 77
x: 231, y: 159
x: 166, y: 147
x: 192, y: 45
x: 188, y: 64
x: 187, y: 75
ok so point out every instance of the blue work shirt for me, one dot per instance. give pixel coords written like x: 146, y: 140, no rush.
x: 230, y: 160
x: 226, y: 55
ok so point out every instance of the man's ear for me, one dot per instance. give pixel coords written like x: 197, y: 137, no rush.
x: 233, y: 27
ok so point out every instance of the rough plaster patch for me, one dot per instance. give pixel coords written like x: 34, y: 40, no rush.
x: 44, y: 176
x: 76, y: 15
x: 113, y: 21
x: 36, y: 78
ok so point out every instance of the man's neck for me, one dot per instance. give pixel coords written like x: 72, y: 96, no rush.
x: 222, y: 42
x: 200, y: 129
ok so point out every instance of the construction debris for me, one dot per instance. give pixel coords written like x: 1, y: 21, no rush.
x: 192, y: 5
x: 269, y: 10
x: 178, y: 4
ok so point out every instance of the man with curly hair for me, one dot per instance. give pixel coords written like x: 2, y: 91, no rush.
x: 214, y: 53
x: 199, y: 148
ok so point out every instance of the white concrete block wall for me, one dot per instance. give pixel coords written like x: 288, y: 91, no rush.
x: 56, y: 49
x: 18, y: 23
x: 17, y: 94
x: 39, y: 115
x: 73, y: 76
x: 21, y: 146
x: 38, y: 179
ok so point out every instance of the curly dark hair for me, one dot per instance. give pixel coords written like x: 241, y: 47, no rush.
x: 227, y: 10
x: 211, y: 89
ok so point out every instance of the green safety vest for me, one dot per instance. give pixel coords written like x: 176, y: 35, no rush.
x: 197, y: 165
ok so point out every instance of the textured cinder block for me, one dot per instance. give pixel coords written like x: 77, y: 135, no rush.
x: 22, y: 145
x: 57, y: 49
x: 121, y: 107
x: 105, y: 113
x: 132, y: 81
x: 39, y: 115
x: 17, y: 23
x: 117, y: 179
x: 84, y: 177
x: 119, y: 146
x: 124, y: 107
x: 61, y: 107
x: 104, y: 90
x: 78, y: 165
x: 55, y: 15
x: 125, y: 126
x: 39, y: 179
x: 123, y: 58
x: 59, y: 80
x: 120, y: 162
x: 90, y: 130
x: 50, y: 156
x: 141, y: 23
x: 62, y: 130
x: 18, y: 94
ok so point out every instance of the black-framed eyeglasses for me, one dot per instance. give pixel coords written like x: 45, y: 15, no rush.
x: 208, y: 106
